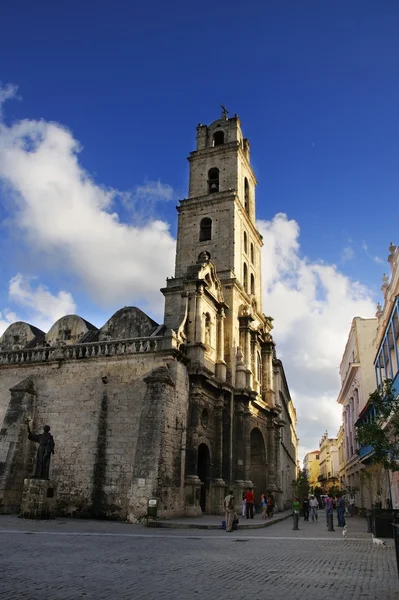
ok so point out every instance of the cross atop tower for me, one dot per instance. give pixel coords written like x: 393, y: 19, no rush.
x: 225, y: 112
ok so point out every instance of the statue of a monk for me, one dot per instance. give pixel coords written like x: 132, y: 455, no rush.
x: 44, y: 451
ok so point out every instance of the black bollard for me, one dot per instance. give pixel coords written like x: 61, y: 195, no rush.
x: 296, y: 521
x: 330, y: 522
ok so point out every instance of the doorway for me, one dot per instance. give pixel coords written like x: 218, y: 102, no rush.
x: 203, y: 472
x: 258, y: 463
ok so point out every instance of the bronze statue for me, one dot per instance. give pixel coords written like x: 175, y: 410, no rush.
x: 44, y: 451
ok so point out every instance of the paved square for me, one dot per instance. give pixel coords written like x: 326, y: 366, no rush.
x: 69, y: 560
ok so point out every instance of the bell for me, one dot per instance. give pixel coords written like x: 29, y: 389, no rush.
x: 214, y: 187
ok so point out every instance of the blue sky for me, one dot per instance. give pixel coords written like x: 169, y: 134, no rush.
x: 317, y: 91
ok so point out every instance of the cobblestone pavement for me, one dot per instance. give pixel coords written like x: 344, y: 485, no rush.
x: 71, y: 560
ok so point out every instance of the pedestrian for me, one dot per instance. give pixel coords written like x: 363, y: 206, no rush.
x: 313, y: 505
x: 229, y: 510
x: 341, y: 511
x: 329, y: 504
x: 263, y: 505
x: 249, y: 503
x: 270, y: 506
x: 305, y: 508
x: 243, y: 507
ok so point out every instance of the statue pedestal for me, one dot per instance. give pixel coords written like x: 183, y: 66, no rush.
x: 38, y: 499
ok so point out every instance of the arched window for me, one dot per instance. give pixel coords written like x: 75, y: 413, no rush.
x: 252, y: 254
x: 246, y: 195
x: 245, y: 277
x: 245, y: 242
x: 213, y: 180
x: 218, y: 138
x: 252, y: 284
x: 205, y: 229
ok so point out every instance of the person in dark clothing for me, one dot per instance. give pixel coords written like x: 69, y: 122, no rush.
x: 305, y: 508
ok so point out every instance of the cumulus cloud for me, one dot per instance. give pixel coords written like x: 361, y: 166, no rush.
x: 347, y: 253
x: 313, y: 305
x: 36, y: 303
x: 7, y: 92
x: 64, y: 213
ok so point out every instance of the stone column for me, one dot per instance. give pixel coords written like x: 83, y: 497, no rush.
x: 248, y: 356
x: 198, y: 317
x: 247, y: 445
x: 267, y: 370
x: 192, y: 481
x: 271, y: 460
x: 218, y: 484
x: 279, y: 483
x: 15, y: 448
x: 221, y: 369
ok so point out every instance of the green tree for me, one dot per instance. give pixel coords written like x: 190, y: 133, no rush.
x: 300, y: 485
x: 382, y: 432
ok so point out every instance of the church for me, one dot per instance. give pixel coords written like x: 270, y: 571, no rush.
x: 180, y: 411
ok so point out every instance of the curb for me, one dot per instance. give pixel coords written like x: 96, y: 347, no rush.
x: 172, y: 525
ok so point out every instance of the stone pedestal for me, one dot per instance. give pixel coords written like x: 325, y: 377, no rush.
x: 218, y: 496
x: 239, y: 489
x: 192, y: 489
x: 38, y: 499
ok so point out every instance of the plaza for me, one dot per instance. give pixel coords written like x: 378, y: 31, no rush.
x: 70, y: 559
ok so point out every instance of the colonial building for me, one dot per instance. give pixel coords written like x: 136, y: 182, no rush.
x: 386, y: 366
x: 178, y: 411
x: 329, y: 462
x: 311, y: 465
x: 357, y: 383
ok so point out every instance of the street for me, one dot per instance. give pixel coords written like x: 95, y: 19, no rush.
x: 71, y: 559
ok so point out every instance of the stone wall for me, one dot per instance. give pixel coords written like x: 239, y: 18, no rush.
x: 97, y: 412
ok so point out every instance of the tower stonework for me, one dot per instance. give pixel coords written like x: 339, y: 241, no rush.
x: 179, y: 411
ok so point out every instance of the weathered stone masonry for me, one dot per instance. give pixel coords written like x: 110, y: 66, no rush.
x: 178, y: 411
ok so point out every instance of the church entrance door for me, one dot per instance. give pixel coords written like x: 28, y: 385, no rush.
x: 258, y: 463
x: 203, y: 472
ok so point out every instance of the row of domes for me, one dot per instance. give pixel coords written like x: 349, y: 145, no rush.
x: 127, y: 323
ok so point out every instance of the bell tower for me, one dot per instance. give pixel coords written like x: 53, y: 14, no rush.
x: 216, y: 226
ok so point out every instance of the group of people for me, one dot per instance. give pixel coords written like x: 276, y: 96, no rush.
x: 248, y: 507
x: 310, y: 506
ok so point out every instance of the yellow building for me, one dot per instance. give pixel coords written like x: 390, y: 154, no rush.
x: 311, y: 465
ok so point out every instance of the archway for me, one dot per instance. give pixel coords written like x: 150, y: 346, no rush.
x: 258, y: 463
x: 204, y: 472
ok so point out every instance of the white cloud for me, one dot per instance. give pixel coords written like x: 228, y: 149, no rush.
x: 7, y: 92
x: 64, y: 213
x: 37, y: 304
x: 313, y: 305
x: 376, y: 259
x: 347, y: 253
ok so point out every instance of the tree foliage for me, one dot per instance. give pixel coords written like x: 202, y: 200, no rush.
x: 382, y: 432
x: 300, y: 485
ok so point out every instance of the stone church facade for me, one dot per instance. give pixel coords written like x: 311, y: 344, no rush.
x: 179, y: 411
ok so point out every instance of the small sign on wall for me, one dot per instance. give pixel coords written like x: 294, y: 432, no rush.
x: 141, y: 482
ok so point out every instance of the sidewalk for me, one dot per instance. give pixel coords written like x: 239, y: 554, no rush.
x: 215, y: 522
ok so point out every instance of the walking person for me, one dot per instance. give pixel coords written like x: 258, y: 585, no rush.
x: 341, y: 511
x: 313, y: 505
x: 249, y: 503
x: 270, y: 506
x: 229, y: 510
x: 329, y: 504
x: 263, y: 505
x: 305, y: 508
x: 243, y: 507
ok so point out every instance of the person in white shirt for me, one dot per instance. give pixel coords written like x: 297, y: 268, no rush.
x: 314, y: 505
